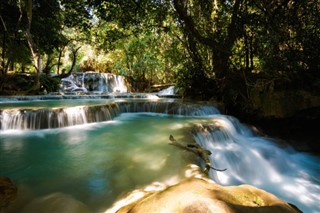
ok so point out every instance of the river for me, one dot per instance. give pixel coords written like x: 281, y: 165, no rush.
x: 95, y: 150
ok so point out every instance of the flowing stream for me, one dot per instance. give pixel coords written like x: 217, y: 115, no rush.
x: 96, y: 150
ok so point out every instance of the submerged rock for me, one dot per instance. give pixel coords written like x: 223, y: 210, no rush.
x: 56, y: 202
x: 8, y: 192
x: 201, y: 195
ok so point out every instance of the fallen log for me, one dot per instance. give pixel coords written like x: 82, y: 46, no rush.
x: 199, y: 151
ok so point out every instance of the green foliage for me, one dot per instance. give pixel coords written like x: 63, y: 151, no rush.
x: 76, y: 14
x: 194, y: 83
x: 47, y: 25
x: 285, y: 36
x: 273, y: 38
x: 208, y: 47
x: 49, y: 84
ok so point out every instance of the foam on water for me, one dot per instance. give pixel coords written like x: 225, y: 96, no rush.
x: 250, y: 159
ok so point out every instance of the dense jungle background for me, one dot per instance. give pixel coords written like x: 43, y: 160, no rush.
x: 261, y: 59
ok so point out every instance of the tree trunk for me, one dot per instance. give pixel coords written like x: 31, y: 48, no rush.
x: 74, y: 59
x: 34, y: 55
x: 246, y: 47
x: 4, y: 70
x: 221, y: 45
x: 220, y: 63
x: 59, y: 60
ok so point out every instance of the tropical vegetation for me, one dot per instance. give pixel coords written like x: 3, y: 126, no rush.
x: 216, y: 48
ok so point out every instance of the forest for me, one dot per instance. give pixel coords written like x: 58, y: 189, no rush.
x: 229, y: 51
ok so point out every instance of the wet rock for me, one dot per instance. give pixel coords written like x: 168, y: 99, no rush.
x: 8, y: 192
x: 200, y: 195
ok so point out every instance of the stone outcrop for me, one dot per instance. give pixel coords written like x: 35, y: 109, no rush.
x: 281, y: 104
x: 203, y: 195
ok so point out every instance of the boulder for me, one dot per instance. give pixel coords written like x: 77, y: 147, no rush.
x: 202, y: 195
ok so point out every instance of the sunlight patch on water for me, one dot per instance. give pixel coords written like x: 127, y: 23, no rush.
x: 152, y: 161
x: 9, y: 145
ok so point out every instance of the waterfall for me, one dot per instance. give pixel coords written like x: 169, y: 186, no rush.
x: 168, y: 91
x: 114, y: 83
x: 94, y: 82
x: 32, y: 119
x: 24, y: 119
x: 250, y: 159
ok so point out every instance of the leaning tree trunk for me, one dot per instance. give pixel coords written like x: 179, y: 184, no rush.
x: 59, y: 60
x: 74, y: 59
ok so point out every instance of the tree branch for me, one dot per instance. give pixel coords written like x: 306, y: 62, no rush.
x: 232, y: 35
x: 199, y: 151
x: 191, y: 25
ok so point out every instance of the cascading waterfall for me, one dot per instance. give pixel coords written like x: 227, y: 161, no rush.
x: 24, y: 119
x: 29, y: 119
x: 167, y: 92
x: 113, y: 83
x: 250, y: 159
x: 94, y: 82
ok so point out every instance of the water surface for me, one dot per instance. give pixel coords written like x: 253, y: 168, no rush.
x: 96, y: 163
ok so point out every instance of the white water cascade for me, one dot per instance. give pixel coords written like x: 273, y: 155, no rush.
x: 168, y: 91
x: 250, y: 159
x: 47, y: 118
x: 94, y: 82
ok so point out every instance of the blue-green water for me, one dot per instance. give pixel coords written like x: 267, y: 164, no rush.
x: 98, y: 162
x: 95, y: 163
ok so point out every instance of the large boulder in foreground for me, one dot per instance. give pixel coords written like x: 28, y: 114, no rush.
x: 200, y: 195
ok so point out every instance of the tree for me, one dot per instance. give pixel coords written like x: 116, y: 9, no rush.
x: 12, y: 37
x: 211, y: 47
x: 144, y: 41
x: 216, y: 27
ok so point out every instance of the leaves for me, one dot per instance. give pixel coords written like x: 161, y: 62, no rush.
x: 161, y: 41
